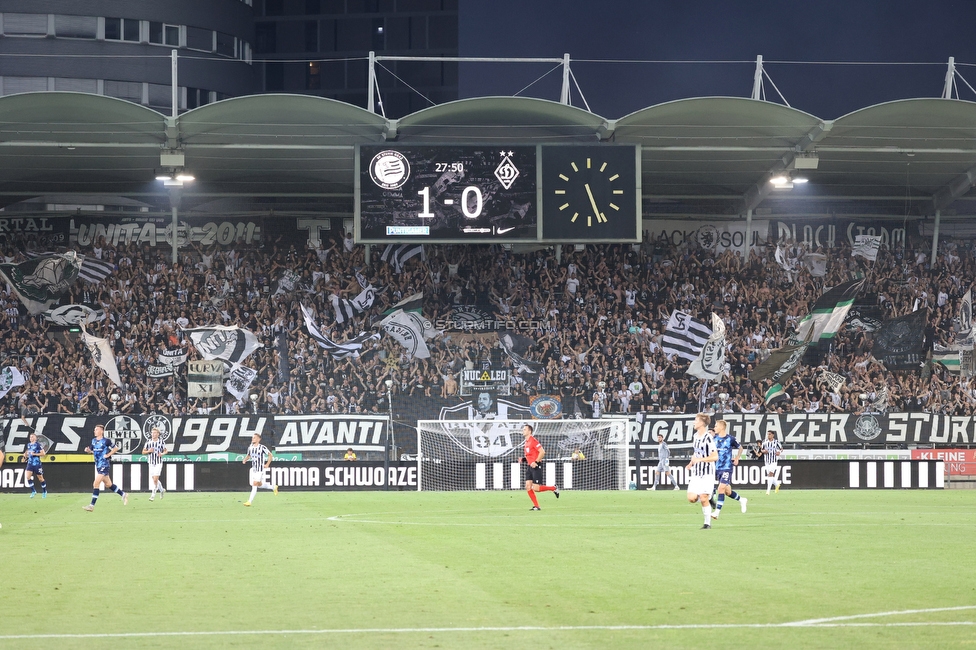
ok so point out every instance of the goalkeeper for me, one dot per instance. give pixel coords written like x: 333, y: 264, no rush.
x: 533, y: 455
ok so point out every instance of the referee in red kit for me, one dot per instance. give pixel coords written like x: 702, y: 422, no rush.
x: 533, y: 453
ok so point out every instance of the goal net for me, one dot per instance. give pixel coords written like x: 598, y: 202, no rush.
x: 484, y: 454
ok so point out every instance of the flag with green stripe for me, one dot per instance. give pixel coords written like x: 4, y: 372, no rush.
x: 828, y: 313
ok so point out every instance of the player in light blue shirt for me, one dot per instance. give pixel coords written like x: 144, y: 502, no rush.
x: 102, y: 449
x: 32, y: 454
x: 724, y: 444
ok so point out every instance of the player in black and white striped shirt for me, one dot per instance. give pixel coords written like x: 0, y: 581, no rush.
x: 772, y: 450
x: 260, y: 458
x: 155, y: 449
x: 702, y: 467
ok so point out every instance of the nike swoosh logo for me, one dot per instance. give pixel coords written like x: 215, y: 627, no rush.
x: 502, y: 231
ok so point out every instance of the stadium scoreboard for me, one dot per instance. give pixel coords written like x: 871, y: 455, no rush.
x: 497, y: 193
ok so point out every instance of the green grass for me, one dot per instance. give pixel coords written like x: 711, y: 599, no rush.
x: 391, y: 566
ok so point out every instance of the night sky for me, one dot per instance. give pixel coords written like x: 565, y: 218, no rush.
x: 687, y: 30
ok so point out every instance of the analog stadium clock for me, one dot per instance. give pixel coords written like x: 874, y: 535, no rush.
x: 590, y: 193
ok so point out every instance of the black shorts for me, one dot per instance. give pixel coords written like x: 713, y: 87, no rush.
x: 533, y: 474
x: 35, y: 469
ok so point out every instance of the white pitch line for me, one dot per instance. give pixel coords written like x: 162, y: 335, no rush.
x: 904, y: 612
x: 833, y: 622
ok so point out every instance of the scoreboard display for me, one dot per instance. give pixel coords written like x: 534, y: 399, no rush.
x: 446, y: 194
x: 497, y: 193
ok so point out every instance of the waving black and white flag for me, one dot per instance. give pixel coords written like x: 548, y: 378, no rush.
x: 965, y: 334
x: 239, y: 380
x: 350, y: 348
x: 288, y: 281
x: 684, y: 337
x: 346, y: 309
x: 68, y: 315
x: 831, y: 380
x: 397, y: 254
x: 158, y: 372
x: 101, y: 351
x: 40, y: 282
x: 866, y: 246
x: 94, y: 270
x: 10, y: 378
x: 710, y: 362
x: 230, y: 344
x: 408, y: 329
x: 361, y: 279
x: 175, y: 357
x: 515, y: 345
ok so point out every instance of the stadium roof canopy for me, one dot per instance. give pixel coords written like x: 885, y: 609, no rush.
x: 707, y: 157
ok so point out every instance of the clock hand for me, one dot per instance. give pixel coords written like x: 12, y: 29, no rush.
x: 596, y: 210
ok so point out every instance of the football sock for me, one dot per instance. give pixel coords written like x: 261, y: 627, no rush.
x: 734, y: 495
x: 673, y: 479
x: 94, y: 496
x: 267, y: 486
x: 30, y: 484
x: 154, y: 489
x: 254, y: 491
x: 707, y: 511
x: 44, y: 485
x: 721, y: 502
x: 118, y: 491
x: 547, y: 488
x: 535, y: 501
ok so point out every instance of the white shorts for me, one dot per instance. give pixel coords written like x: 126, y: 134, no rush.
x: 771, y: 468
x: 155, y: 470
x: 256, y: 476
x: 701, y: 484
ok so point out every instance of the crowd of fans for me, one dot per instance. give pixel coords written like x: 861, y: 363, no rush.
x: 597, y: 317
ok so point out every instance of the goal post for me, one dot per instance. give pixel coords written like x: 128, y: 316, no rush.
x: 484, y: 454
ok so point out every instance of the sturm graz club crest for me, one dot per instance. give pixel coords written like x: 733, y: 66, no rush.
x: 126, y: 433
x: 160, y: 422
x: 867, y: 428
x: 389, y: 170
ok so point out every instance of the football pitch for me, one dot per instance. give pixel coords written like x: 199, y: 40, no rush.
x: 602, y: 570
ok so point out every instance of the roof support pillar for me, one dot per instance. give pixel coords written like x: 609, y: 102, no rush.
x: 747, y: 246
x: 757, y: 84
x: 176, y: 87
x: 564, y: 93
x: 935, y: 238
x: 371, y: 83
x: 175, y: 196
x: 950, y: 79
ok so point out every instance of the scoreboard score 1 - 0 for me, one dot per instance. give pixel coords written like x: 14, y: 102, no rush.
x: 574, y: 193
x: 446, y: 194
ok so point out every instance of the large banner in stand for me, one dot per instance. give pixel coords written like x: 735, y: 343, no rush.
x: 198, y: 438
x: 817, y: 429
